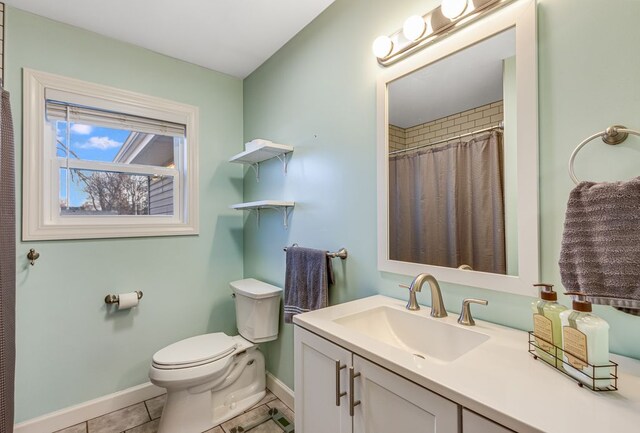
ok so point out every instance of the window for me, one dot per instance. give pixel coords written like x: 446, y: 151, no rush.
x: 102, y: 162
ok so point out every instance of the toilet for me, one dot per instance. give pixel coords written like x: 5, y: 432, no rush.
x: 211, y: 378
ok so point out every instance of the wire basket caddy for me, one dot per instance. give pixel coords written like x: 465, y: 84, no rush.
x: 597, y: 378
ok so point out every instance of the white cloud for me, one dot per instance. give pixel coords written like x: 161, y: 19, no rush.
x: 102, y: 143
x: 81, y: 129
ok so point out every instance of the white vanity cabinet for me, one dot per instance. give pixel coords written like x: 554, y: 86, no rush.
x: 399, y: 362
x: 390, y: 403
x: 474, y: 423
x: 317, y: 360
x: 383, y: 402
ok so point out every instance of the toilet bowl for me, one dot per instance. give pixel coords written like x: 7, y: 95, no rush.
x: 213, y: 377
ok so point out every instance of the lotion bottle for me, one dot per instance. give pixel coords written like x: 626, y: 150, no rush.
x: 585, y: 341
x: 547, y: 326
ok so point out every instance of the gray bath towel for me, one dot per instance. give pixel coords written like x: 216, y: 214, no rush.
x: 600, y: 254
x: 308, y: 276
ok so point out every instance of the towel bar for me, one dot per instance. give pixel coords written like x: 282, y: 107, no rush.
x: 341, y: 253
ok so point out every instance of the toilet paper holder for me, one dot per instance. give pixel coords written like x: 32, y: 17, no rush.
x: 115, y: 299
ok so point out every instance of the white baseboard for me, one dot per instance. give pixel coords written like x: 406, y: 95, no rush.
x: 280, y: 390
x: 103, y: 405
x: 91, y: 409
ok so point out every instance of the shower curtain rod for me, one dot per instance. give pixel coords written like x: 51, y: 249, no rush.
x: 498, y: 126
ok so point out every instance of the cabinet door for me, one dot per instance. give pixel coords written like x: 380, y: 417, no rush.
x: 390, y: 403
x: 474, y: 423
x: 318, y: 408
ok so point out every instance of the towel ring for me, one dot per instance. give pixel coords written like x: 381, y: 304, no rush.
x: 613, y: 135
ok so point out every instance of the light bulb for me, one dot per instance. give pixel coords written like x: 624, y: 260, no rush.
x: 453, y: 8
x: 414, y: 27
x: 382, y: 46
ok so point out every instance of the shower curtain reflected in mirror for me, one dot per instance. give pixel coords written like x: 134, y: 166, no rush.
x: 7, y: 265
x: 446, y: 205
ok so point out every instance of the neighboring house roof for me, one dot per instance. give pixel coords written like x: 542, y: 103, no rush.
x: 146, y: 149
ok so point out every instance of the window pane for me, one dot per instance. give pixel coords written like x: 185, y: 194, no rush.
x: 97, y: 143
x: 107, y: 193
x: 61, y: 140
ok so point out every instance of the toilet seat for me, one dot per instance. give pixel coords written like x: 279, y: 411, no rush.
x: 195, y: 351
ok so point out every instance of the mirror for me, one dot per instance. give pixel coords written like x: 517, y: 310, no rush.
x: 457, y: 157
x: 452, y: 160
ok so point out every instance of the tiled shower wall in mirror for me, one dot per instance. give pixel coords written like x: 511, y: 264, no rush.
x: 446, y: 127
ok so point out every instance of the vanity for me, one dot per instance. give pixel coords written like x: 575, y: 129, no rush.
x: 372, y: 366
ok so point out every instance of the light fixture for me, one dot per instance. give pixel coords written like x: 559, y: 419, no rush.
x: 414, y: 27
x: 382, y: 46
x: 452, y: 9
x: 421, y: 31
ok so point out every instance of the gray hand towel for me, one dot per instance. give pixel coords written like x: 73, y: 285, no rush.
x: 308, y: 276
x: 600, y: 254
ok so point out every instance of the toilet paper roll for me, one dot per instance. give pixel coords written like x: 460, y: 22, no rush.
x: 127, y: 300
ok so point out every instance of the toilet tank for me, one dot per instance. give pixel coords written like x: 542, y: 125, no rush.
x: 257, y: 309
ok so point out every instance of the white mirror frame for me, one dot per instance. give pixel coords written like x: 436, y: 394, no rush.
x: 522, y: 15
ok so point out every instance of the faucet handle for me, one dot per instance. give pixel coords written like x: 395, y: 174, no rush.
x: 465, y: 315
x: 412, y: 305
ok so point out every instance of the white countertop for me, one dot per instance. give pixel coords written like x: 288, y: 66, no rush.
x: 498, y: 379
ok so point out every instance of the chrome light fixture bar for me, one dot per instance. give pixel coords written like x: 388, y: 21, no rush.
x: 418, y: 32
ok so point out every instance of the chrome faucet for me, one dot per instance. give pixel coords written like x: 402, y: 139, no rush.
x: 437, y: 306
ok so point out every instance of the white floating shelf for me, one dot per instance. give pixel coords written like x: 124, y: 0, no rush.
x: 282, y: 206
x: 262, y: 204
x: 263, y: 152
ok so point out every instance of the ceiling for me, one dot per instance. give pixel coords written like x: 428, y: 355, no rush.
x: 230, y: 36
x: 468, y: 79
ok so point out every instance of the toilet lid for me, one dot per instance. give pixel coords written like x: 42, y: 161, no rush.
x: 196, y: 350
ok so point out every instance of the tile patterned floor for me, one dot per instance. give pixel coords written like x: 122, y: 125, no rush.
x: 144, y: 417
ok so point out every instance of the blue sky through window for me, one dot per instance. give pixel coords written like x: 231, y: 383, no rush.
x: 89, y: 143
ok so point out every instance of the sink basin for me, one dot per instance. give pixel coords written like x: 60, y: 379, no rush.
x: 423, y: 336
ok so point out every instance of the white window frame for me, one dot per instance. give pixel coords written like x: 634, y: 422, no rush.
x: 40, y: 215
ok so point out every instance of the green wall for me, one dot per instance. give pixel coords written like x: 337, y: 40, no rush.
x: 318, y: 94
x: 69, y: 349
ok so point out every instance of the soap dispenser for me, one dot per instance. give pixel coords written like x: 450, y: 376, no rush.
x: 547, y: 327
x: 585, y: 340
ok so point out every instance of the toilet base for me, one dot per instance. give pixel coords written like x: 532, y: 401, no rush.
x: 197, y: 409
x: 223, y: 413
